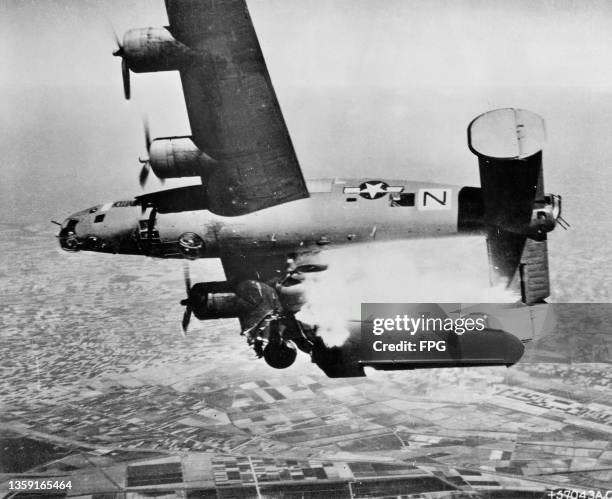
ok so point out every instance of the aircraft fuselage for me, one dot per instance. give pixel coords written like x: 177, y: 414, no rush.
x: 338, y: 212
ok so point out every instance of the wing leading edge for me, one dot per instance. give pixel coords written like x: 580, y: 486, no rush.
x: 233, y: 110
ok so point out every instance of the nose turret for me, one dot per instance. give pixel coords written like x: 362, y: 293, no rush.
x: 67, y: 237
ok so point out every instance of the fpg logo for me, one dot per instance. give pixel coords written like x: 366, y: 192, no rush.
x: 431, y: 345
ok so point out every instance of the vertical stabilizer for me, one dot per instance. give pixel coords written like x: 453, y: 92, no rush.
x: 516, y: 212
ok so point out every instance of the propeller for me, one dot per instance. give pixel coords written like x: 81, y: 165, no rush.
x: 125, y: 74
x: 125, y: 69
x: 187, y: 301
x: 146, y: 165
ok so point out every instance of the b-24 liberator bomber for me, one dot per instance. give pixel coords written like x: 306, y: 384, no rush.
x: 255, y: 211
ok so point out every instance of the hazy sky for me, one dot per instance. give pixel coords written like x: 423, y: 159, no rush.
x: 340, y: 42
x: 368, y: 87
x: 377, y: 88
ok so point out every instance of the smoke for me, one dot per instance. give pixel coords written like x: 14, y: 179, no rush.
x: 419, y: 271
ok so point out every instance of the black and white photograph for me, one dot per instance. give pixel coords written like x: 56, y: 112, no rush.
x: 305, y: 249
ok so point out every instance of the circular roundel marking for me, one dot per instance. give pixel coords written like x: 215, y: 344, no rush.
x: 373, y: 189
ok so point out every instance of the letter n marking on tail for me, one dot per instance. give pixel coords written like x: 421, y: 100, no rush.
x: 435, y: 199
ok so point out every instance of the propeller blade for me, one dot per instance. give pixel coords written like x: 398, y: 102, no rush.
x: 110, y: 29
x: 118, y: 52
x: 125, y: 72
x: 187, y: 278
x: 144, y: 174
x: 147, y: 132
x: 186, y: 319
x: 186, y: 302
x: 146, y: 166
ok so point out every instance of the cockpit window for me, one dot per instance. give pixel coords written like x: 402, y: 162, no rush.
x: 99, y: 218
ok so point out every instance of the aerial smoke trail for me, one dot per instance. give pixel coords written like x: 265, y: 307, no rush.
x: 419, y: 271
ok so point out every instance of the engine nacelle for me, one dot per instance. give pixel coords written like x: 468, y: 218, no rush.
x: 154, y: 49
x: 175, y: 157
x: 214, y: 300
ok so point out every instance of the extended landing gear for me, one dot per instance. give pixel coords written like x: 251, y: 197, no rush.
x: 280, y: 352
x: 277, y: 341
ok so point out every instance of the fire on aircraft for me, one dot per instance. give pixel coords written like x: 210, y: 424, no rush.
x: 255, y: 211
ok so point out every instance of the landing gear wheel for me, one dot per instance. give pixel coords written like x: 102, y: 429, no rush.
x: 280, y: 355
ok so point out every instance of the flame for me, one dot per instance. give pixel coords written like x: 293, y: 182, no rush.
x: 418, y: 271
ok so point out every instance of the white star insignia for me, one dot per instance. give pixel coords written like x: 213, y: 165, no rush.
x: 373, y: 189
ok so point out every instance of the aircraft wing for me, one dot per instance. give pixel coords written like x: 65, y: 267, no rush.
x: 258, y: 266
x: 233, y: 110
